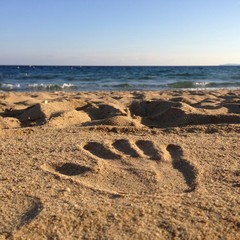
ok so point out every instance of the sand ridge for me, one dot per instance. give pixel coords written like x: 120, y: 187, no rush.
x: 131, y: 111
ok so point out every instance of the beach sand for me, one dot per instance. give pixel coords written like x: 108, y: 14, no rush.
x: 120, y: 165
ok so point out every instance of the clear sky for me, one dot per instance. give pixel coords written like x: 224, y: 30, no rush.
x: 119, y: 32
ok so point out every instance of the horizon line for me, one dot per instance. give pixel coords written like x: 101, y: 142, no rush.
x: 85, y: 65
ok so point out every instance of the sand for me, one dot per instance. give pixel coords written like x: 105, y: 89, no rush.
x: 120, y: 165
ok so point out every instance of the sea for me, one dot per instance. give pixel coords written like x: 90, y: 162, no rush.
x: 119, y: 78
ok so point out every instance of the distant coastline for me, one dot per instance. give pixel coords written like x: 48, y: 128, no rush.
x: 229, y: 65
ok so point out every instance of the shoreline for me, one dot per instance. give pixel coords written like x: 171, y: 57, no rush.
x: 130, y: 78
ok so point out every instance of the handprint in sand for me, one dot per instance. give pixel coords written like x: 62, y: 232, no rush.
x: 139, y: 167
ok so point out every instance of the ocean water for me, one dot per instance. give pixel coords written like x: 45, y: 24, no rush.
x: 93, y: 78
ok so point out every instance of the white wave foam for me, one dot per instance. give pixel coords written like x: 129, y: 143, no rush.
x: 67, y: 85
x: 9, y: 86
x: 50, y: 86
x: 201, y: 84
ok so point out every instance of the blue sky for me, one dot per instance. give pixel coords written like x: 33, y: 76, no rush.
x: 119, y: 32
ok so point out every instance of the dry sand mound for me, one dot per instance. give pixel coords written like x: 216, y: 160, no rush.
x: 42, y: 112
x: 103, y: 110
x: 120, y: 121
x: 47, y: 110
x: 9, y: 122
x: 68, y: 118
x: 172, y: 114
x: 119, y: 111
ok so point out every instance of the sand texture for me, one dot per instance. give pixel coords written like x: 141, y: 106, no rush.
x: 120, y: 165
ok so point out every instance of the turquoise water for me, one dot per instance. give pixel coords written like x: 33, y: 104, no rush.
x: 93, y: 78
